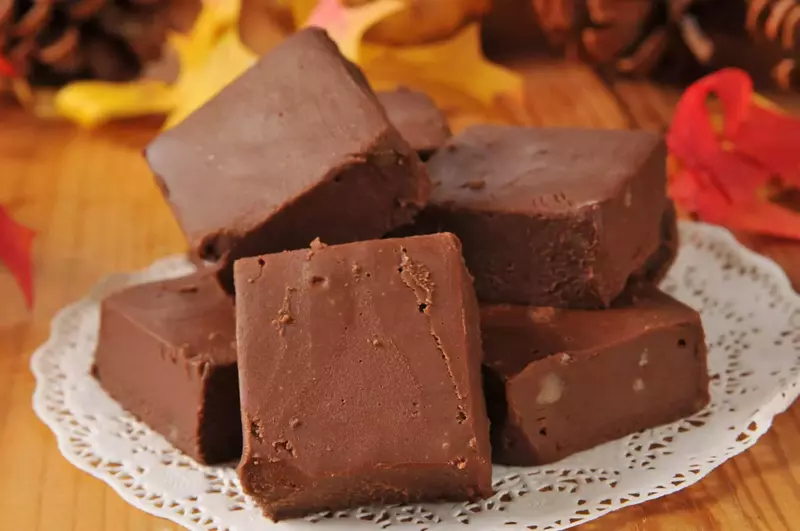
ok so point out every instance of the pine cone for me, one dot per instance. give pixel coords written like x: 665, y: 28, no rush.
x: 774, y: 26
x: 632, y: 36
x: 53, y: 42
x: 759, y: 36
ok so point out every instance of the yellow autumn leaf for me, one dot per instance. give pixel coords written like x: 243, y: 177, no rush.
x: 92, y: 103
x: 214, y: 20
x: 301, y: 9
x: 346, y: 26
x: 454, y: 72
x: 228, y: 59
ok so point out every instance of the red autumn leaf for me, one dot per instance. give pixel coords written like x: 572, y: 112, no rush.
x: 773, y: 140
x: 770, y: 138
x: 759, y: 216
x: 6, y: 70
x: 693, y: 140
x: 722, y: 170
x: 16, y: 242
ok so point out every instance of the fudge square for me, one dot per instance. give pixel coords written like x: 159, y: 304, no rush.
x: 550, y: 217
x: 167, y: 354
x: 560, y: 381
x: 360, y: 376
x: 418, y: 120
x: 296, y: 148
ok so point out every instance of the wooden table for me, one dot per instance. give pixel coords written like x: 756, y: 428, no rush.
x: 96, y: 210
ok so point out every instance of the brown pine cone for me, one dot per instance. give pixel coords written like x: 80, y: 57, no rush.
x: 631, y: 36
x: 52, y: 42
x: 774, y: 26
x: 634, y: 37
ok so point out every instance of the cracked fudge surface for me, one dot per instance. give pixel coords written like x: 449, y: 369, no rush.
x: 560, y: 381
x: 298, y: 147
x: 549, y: 216
x: 360, y: 376
x: 167, y: 354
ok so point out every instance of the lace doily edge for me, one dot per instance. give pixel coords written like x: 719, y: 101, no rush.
x: 783, y: 397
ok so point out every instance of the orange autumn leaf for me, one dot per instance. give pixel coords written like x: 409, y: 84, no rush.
x: 724, y: 166
x: 300, y: 9
x: 16, y: 243
x: 346, y: 26
x: 454, y: 72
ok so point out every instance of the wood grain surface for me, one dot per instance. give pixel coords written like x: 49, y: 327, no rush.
x: 96, y: 210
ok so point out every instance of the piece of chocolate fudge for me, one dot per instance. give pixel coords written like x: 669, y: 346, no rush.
x: 657, y: 266
x: 360, y: 369
x: 167, y: 354
x: 560, y: 381
x: 296, y: 148
x: 418, y: 119
x: 549, y: 217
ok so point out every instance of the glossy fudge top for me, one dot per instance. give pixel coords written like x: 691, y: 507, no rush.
x: 361, y: 354
x: 297, y: 117
x: 192, y: 314
x: 541, y: 170
x: 515, y: 336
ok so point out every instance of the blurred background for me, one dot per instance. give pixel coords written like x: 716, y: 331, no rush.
x: 86, y: 84
x: 47, y: 44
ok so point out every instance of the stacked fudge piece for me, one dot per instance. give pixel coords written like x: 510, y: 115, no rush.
x: 367, y: 328
x: 566, y: 232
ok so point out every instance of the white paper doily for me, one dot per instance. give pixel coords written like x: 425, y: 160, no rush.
x: 752, y: 322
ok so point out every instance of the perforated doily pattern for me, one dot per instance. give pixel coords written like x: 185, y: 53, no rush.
x: 752, y: 321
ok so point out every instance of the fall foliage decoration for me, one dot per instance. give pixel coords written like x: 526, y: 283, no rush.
x: 51, y: 42
x: 16, y: 243
x: 453, y: 71
x: 775, y: 26
x: 722, y: 169
x: 424, y: 21
x: 347, y: 25
x: 210, y: 56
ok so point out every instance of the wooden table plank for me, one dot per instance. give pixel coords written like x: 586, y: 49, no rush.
x: 97, y: 211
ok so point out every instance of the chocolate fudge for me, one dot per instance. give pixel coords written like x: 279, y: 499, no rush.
x: 418, y: 120
x: 296, y: 148
x: 167, y: 354
x: 360, y: 369
x: 657, y: 266
x: 560, y: 381
x: 549, y: 217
